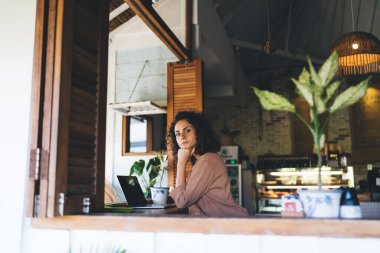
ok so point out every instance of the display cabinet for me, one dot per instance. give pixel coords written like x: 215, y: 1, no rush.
x: 280, y: 177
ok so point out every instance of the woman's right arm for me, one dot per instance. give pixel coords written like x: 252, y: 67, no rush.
x: 197, y: 185
x: 183, y: 156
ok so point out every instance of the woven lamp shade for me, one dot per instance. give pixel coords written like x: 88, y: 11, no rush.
x: 359, y: 53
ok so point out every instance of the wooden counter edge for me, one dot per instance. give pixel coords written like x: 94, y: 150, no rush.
x: 254, y: 226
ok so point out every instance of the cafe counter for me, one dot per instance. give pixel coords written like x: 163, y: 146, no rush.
x: 158, y: 221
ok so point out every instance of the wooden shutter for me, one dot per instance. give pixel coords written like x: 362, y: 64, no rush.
x: 72, y: 124
x: 37, y: 110
x: 184, y: 94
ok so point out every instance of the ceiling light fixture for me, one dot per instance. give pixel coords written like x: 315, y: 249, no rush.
x: 359, y: 52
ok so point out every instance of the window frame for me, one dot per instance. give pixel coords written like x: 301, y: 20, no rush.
x: 367, y: 228
x: 125, y: 148
x: 51, y: 124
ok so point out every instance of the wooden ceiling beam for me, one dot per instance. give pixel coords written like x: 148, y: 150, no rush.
x: 151, y: 18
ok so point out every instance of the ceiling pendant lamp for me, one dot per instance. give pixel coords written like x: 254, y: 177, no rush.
x: 359, y: 52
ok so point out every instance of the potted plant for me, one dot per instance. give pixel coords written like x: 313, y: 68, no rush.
x: 151, y: 175
x: 159, y: 192
x: 318, y: 89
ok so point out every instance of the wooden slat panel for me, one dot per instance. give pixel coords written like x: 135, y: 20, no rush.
x: 86, y: 119
x: 38, y: 98
x: 83, y: 113
x: 83, y: 179
x: 82, y: 131
x: 74, y: 161
x: 80, y: 189
x: 82, y: 170
x: 49, y: 147
x: 82, y: 153
x: 83, y: 81
x: 79, y: 100
x: 184, y: 93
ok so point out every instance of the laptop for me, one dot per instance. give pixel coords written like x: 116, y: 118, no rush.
x: 134, y: 194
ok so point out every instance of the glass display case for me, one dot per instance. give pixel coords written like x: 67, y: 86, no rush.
x: 281, y: 176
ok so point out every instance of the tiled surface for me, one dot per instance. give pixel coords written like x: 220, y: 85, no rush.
x: 294, y: 244
x: 179, y: 243
x: 231, y: 243
x: 101, y: 241
x: 88, y: 241
x: 348, y: 245
x: 45, y: 240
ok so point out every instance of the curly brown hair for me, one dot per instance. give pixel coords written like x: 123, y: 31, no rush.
x: 205, y: 136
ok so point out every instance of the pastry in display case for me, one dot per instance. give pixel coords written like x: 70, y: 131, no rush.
x: 283, y: 175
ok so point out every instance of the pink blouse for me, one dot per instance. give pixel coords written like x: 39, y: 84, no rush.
x: 207, y: 191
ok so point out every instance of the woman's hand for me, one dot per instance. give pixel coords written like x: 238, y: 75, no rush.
x: 184, y: 154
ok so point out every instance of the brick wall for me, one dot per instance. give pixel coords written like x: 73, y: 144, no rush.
x: 259, y: 134
x: 270, y: 132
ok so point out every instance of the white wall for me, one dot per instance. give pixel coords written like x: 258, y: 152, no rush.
x: 16, y: 56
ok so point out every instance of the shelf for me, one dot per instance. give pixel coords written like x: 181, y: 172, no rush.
x: 301, y: 186
x: 138, y: 108
x: 269, y: 198
x: 302, y: 173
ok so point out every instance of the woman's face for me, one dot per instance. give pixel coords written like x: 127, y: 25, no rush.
x: 185, y: 134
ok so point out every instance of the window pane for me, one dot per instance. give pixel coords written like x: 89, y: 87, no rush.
x: 137, y: 133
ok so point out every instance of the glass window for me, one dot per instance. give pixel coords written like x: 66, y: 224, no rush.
x: 138, y: 135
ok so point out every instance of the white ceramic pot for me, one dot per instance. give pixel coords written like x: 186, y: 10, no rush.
x: 320, y: 203
x: 159, y: 195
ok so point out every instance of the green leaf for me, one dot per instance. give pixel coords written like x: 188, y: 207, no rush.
x: 154, y: 172
x: 305, y: 91
x: 329, y: 68
x: 272, y: 101
x: 314, y: 76
x: 304, y: 77
x: 137, y: 167
x: 152, y: 182
x: 330, y: 90
x: 319, y: 104
x: 350, y: 96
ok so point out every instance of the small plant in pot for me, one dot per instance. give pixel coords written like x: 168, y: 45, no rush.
x: 318, y: 89
x: 160, y: 193
x: 151, y: 176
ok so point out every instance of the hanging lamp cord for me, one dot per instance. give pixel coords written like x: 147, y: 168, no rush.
x: 268, y: 48
x: 352, y: 17
x: 137, y: 81
x: 269, y: 19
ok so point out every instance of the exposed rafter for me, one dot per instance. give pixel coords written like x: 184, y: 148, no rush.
x: 278, y: 52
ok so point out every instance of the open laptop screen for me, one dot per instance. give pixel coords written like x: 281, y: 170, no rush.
x: 132, y: 190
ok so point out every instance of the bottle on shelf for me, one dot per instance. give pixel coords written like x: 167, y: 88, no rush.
x: 332, y: 156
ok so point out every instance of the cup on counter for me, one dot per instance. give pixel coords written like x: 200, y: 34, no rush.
x: 349, y: 204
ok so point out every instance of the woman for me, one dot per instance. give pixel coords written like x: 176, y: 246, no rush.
x: 207, y: 190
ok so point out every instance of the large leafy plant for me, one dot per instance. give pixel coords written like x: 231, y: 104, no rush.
x: 318, y: 88
x: 151, y: 172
